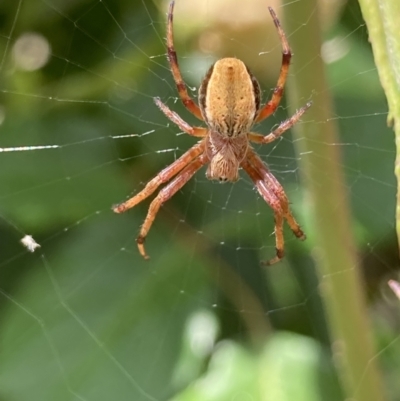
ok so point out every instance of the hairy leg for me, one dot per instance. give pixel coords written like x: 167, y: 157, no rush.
x: 283, y: 127
x: 278, y: 190
x: 166, y: 193
x: 273, y: 201
x: 176, y: 73
x: 161, y: 178
x: 272, y: 105
x: 176, y: 119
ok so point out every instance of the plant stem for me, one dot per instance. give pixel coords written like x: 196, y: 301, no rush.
x: 326, y: 196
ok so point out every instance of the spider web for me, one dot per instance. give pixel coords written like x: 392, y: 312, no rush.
x: 83, y: 315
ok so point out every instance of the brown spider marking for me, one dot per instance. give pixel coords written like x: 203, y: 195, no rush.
x: 229, y: 104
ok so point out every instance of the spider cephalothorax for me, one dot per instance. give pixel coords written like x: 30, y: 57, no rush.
x: 229, y: 104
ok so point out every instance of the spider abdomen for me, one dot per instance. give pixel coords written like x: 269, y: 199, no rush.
x: 229, y: 97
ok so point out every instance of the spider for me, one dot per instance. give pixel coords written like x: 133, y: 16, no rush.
x: 229, y: 103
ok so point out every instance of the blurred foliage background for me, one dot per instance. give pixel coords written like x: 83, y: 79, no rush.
x: 84, y: 317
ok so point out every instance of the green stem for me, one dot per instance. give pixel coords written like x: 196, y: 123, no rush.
x: 382, y: 18
x: 326, y: 196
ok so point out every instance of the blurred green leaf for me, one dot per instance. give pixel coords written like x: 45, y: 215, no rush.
x: 289, y: 367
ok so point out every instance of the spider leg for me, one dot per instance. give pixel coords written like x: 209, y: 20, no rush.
x: 162, y: 177
x: 283, y: 127
x: 166, y: 193
x: 271, y: 198
x: 278, y: 190
x: 175, y: 118
x: 271, y: 106
x: 176, y: 73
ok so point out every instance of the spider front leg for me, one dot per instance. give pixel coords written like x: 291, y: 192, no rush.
x: 278, y: 190
x: 161, y: 178
x: 273, y: 201
x: 283, y: 127
x: 166, y: 193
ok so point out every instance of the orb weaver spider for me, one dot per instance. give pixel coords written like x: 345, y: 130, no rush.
x: 229, y: 102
